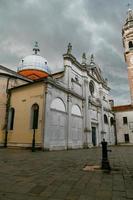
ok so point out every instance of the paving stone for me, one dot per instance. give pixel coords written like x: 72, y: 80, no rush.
x: 117, y: 195
x: 129, y: 194
x: 60, y: 176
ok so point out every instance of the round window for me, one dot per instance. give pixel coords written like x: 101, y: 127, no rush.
x: 91, y: 87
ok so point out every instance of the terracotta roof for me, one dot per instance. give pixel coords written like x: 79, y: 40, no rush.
x: 122, y: 108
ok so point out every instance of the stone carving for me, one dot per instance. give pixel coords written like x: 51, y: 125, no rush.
x: 69, y: 49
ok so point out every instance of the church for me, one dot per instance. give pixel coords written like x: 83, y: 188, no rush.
x: 69, y: 109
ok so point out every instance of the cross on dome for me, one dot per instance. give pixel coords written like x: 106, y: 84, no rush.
x: 36, y: 48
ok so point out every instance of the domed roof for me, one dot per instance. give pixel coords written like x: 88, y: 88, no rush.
x: 34, y: 61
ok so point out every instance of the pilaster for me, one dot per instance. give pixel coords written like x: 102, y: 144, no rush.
x: 69, y: 134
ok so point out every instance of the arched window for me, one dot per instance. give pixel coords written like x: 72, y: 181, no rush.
x: 34, y: 116
x: 58, y: 104
x: 105, y: 119
x: 76, y: 110
x: 130, y: 44
x: 112, y: 121
x: 11, y: 118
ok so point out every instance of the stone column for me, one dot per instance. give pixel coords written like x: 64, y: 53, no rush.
x: 102, y: 116
x: 69, y: 132
x: 102, y: 123
x: 87, y: 117
x: 47, y: 119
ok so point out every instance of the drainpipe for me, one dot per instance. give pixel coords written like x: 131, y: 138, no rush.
x: 8, y: 95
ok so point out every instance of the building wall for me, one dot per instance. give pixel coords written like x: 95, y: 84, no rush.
x: 6, y: 83
x: 76, y: 129
x: 22, y: 100
x: 124, y: 128
x: 70, y: 115
x: 63, y: 120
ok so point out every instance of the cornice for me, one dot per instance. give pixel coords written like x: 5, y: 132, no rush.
x: 57, y: 85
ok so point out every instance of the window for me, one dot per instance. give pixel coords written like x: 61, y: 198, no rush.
x: 91, y: 87
x: 11, y: 118
x: 130, y: 44
x: 34, y: 116
x: 58, y: 104
x: 76, y: 110
x: 105, y: 119
x: 131, y: 125
x: 111, y: 121
x: 76, y: 78
x: 124, y: 120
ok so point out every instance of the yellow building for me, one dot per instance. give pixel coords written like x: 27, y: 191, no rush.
x: 16, y: 105
x: 8, y: 79
x: 20, y: 121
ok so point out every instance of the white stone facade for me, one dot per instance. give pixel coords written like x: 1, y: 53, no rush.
x: 124, y: 128
x: 75, y: 111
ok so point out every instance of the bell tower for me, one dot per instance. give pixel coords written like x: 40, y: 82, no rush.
x: 127, y: 36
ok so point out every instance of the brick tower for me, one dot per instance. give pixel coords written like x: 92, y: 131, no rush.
x: 127, y: 35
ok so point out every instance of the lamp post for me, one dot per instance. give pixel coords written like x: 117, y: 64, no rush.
x: 105, y: 161
x: 33, y: 140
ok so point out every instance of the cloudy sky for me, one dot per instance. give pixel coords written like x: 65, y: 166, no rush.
x: 91, y: 26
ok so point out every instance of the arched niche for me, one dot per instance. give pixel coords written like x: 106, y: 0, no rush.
x: 130, y: 44
x: 112, y: 121
x: 105, y: 119
x: 34, y: 116
x: 76, y: 110
x: 58, y: 104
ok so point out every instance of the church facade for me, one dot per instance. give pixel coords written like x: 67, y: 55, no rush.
x: 72, y: 107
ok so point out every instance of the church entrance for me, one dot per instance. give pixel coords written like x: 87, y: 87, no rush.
x: 94, y: 136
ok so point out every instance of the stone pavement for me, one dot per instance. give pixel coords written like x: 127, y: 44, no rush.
x: 59, y: 175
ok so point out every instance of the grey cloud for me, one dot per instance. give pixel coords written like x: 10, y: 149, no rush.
x: 91, y: 27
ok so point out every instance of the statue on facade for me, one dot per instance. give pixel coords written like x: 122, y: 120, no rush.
x: 84, y: 58
x: 69, y: 49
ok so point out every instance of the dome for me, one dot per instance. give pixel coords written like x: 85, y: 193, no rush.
x: 34, y: 62
x: 34, y: 66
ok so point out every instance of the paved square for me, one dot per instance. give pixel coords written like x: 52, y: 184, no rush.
x: 59, y: 175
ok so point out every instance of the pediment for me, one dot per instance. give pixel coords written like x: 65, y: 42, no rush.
x: 96, y: 74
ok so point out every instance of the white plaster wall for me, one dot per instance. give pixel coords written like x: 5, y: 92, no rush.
x: 121, y: 128
x: 76, y: 131
x: 57, y: 130
x: 58, y: 133
x: 55, y: 120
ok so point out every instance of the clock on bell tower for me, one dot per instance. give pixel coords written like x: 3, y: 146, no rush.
x: 127, y: 36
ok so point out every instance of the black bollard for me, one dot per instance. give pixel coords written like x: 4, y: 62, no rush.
x: 105, y: 161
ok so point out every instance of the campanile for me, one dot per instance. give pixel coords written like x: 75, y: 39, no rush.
x: 127, y: 36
